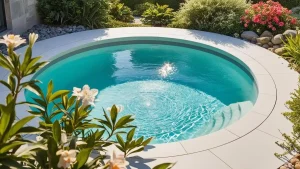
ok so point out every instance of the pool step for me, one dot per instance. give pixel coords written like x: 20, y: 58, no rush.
x: 228, y: 115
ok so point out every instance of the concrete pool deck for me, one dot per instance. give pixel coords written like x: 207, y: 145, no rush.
x: 247, y: 144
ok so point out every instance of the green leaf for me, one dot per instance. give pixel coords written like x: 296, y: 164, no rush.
x: 137, y: 150
x: 30, y: 130
x: 16, y: 127
x: 49, y: 90
x: 124, y: 120
x: 10, y: 145
x: 146, y: 142
x: 34, y: 89
x: 11, y: 163
x: 114, y: 114
x: 82, y: 157
x: 58, y: 94
x: 164, y: 166
x: 5, y: 84
x: 130, y: 134
x: 12, y: 82
x: 120, y: 140
x: 52, y: 149
x: 56, y: 130
x: 140, y: 140
x: 27, y: 59
x: 5, y: 119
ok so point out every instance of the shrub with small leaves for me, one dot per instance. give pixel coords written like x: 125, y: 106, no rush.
x: 121, y: 12
x: 158, y: 15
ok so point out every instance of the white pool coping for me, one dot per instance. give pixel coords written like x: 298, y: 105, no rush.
x: 247, y: 144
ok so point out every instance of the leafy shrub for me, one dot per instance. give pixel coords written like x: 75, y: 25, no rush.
x: 90, y: 13
x: 286, y: 3
x: 217, y: 16
x: 68, y: 141
x: 291, y: 143
x: 292, y: 54
x: 94, y: 13
x: 139, y: 9
x: 158, y: 15
x: 121, y: 12
x: 270, y: 16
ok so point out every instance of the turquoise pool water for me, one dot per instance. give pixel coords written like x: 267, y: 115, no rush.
x: 176, y: 92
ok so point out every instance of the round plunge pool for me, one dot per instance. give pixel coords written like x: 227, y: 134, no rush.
x: 177, y: 90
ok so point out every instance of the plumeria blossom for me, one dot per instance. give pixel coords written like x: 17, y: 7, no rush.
x: 32, y: 38
x: 118, y: 161
x: 66, y: 158
x: 39, y: 138
x: 86, y: 95
x: 120, y: 108
x: 12, y: 41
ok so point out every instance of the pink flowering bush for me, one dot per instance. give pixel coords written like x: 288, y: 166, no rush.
x: 268, y: 15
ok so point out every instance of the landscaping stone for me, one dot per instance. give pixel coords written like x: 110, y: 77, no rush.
x: 263, y: 40
x: 248, y: 35
x: 277, y: 39
x: 266, y: 34
x: 271, y: 49
x: 279, y: 51
x: 253, y: 40
x: 265, y: 46
x: 270, y: 44
x: 276, y: 46
x: 292, y: 33
x: 259, y: 44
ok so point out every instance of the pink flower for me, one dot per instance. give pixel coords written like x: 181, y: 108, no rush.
x: 245, y: 25
x: 276, y: 19
x: 273, y: 29
x: 246, y: 11
x: 256, y: 19
x: 281, y: 24
x: 294, y: 21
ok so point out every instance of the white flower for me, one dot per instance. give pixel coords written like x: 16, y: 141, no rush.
x: 87, y: 95
x: 12, y: 41
x: 32, y: 38
x: 77, y: 92
x: 66, y: 158
x: 117, y: 161
x: 64, y: 138
x: 120, y: 108
x: 39, y: 138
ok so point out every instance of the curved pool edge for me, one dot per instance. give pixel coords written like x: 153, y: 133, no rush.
x: 269, y: 71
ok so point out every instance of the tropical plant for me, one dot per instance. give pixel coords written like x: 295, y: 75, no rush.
x: 292, y: 51
x: 89, y: 13
x: 158, y: 15
x: 67, y: 134
x: 219, y: 16
x: 139, y: 9
x: 270, y: 16
x: 291, y: 143
x: 121, y: 12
